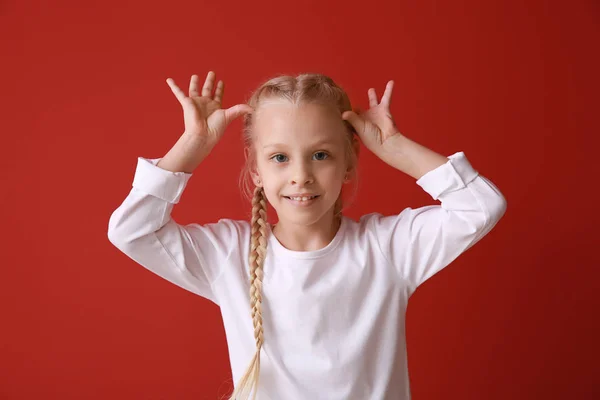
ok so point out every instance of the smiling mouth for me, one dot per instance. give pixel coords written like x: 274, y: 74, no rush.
x: 306, y: 198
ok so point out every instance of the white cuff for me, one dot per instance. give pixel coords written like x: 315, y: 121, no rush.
x: 451, y: 176
x: 158, y: 182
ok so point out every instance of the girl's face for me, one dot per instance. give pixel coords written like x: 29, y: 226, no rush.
x: 300, y: 151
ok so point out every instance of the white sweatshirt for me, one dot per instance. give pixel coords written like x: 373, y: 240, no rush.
x: 333, y: 318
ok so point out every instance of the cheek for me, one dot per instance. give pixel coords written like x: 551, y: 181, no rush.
x: 332, y: 173
x: 272, y: 188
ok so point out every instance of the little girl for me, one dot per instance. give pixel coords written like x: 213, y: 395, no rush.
x: 325, y: 314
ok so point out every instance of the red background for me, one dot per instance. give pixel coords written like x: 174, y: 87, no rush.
x: 513, y: 84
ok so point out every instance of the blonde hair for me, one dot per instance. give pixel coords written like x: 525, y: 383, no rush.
x: 301, y: 89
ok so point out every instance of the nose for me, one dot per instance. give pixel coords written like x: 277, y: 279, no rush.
x: 301, y: 174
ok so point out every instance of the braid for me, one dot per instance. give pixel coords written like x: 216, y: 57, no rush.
x: 258, y: 250
x: 258, y: 247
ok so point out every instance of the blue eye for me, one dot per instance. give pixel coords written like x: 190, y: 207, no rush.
x: 322, y: 152
x: 279, y: 160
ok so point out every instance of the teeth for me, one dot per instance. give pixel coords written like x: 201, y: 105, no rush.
x: 302, y: 198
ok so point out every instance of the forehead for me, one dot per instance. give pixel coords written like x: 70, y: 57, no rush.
x: 297, y: 125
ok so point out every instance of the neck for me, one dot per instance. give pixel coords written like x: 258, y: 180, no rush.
x: 311, y: 237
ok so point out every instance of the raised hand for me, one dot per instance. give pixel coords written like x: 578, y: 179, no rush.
x: 376, y: 125
x: 202, y: 113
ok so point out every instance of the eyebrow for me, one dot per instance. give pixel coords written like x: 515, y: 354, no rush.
x: 319, y: 143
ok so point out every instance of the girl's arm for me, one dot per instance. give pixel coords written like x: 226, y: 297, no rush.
x: 189, y: 256
x: 410, y: 157
x: 420, y: 242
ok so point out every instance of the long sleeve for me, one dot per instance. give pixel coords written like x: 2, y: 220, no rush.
x: 420, y: 242
x: 188, y: 256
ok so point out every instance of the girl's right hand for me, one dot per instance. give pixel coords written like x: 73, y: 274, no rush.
x: 202, y: 114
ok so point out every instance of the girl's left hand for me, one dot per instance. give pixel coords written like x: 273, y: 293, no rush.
x: 376, y: 125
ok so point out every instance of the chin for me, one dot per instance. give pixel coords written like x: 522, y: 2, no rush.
x: 301, y: 215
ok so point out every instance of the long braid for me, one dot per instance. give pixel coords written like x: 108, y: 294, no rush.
x: 258, y: 251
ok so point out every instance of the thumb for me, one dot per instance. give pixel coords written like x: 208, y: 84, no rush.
x: 354, y: 120
x: 233, y: 112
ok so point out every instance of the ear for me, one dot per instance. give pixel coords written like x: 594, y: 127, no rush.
x: 350, y: 171
x: 256, y: 178
x: 253, y: 173
x: 356, y: 145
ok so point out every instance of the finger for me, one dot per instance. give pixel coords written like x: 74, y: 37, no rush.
x: 233, y: 112
x: 372, y: 97
x: 387, y: 96
x: 219, y: 92
x: 208, y: 84
x: 178, y: 92
x: 357, y: 123
x: 194, y: 85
